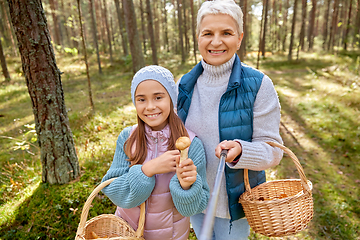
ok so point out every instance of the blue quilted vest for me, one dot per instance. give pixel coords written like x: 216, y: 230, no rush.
x: 235, y: 122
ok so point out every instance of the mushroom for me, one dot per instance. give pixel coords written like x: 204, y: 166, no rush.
x: 94, y: 235
x: 182, y: 143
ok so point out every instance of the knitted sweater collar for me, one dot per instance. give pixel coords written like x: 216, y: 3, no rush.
x: 214, y: 74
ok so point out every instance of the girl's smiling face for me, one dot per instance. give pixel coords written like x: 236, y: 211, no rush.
x: 218, y: 39
x: 152, y: 103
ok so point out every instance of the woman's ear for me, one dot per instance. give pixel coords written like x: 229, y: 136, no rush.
x: 240, y: 39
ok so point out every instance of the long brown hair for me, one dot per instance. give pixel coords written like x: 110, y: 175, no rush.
x: 138, y: 138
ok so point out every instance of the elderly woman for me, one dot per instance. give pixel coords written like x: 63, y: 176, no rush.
x: 230, y: 106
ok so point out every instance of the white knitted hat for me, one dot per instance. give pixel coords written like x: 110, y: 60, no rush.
x: 157, y: 73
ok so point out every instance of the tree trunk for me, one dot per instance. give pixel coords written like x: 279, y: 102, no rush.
x: 326, y: 20
x: 9, y: 28
x: 156, y: 20
x: 312, y: 25
x: 274, y: 25
x: 292, y: 30
x: 264, y: 31
x: 58, y: 156
x: 132, y: 32
x: 3, y: 63
x: 143, y: 27
x: 85, y: 57
x: 151, y: 33
x: 55, y: 22
x: 316, y: 28
x: 285, y: 25
x: 74, y: 27
x: 278, y: 34
x: 260, y: 35
x: 2, y: 27
x: 303, y: 25
x: 193, y: 28
x: 112, y: 31
x: 100, y: 23
x: 347, y: 28
x: 342, y: 18
x: 167, y: 47
x: 124, y: 40
x: 94, y: 30
x: 63, y: 23
x: 356, y: 39
x: 336, y: 26
x: 108, y: 32
x: 185, y: 28
x: 242, y: 50
x: 333, y: 25
x: 180, y: 24
x: 175, y: 40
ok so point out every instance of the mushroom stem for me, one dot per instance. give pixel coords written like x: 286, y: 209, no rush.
x: 182, y: 143
x: 183, y: 154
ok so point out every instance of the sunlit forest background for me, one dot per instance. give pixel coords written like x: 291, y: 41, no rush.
x: 83, y: 54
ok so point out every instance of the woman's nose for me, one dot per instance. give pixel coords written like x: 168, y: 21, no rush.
x: 216, y: 41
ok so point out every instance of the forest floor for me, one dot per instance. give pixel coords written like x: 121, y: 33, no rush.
x: 320, y: 123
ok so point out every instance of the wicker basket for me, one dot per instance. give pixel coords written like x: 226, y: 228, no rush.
x: 108, y: 226
x: 280, y: 207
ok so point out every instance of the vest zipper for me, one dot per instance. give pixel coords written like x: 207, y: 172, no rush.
x: 156, y: 146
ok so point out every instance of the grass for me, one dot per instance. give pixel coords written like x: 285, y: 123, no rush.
x: 320, y: 122
x: 320, y: 101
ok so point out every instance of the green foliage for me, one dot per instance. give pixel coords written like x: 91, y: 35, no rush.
x: 72, y: 51
x: 33, y: 210
x: 320, y: 101
x: 320, y: 113
x: 55, y: 210
x: 29, y: 137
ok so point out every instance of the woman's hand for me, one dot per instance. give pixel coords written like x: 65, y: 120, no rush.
x: 186, y: 172
x: 234, y: 149
x: 164, y: 163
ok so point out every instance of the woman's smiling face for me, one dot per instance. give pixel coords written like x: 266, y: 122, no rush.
x: 218, y: 39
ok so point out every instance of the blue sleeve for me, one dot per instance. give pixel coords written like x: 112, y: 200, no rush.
x: 132, y: 187
x: 194, y: 200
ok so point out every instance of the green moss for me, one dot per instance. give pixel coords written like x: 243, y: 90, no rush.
x: 319, y: 108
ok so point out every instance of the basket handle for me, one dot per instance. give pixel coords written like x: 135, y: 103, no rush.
x: 295, y: 160
x: 84, y: 214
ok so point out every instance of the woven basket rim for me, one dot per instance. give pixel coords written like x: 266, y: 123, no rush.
x: 84, y: 214
x: 261, y: 215
x: 103, y: 216
x: 285, y: 199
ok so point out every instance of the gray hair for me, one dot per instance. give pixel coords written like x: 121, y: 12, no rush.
x: 228, y: 7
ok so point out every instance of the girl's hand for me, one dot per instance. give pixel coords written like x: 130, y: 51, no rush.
x: 234, y: 149
x: 164, y: 163
x: 186, y: 172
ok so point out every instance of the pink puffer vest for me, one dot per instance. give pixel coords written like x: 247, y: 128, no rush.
x: 162, y: 220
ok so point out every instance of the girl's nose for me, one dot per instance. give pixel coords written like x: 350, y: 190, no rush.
x: 151, y: 105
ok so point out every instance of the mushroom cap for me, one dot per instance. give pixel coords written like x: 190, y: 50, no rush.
x: 182, y: 143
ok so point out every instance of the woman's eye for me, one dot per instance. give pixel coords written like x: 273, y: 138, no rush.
x: 140, y: 100
x: 158, y: 98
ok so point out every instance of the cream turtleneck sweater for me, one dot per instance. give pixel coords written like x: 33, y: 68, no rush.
x: 203, y: 120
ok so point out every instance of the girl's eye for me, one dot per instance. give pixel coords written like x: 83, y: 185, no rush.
x: 140, y: 100
x: 158, y: 98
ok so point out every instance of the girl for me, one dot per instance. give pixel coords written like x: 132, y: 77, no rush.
x: 146, y: 162
x: 226, y: 101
